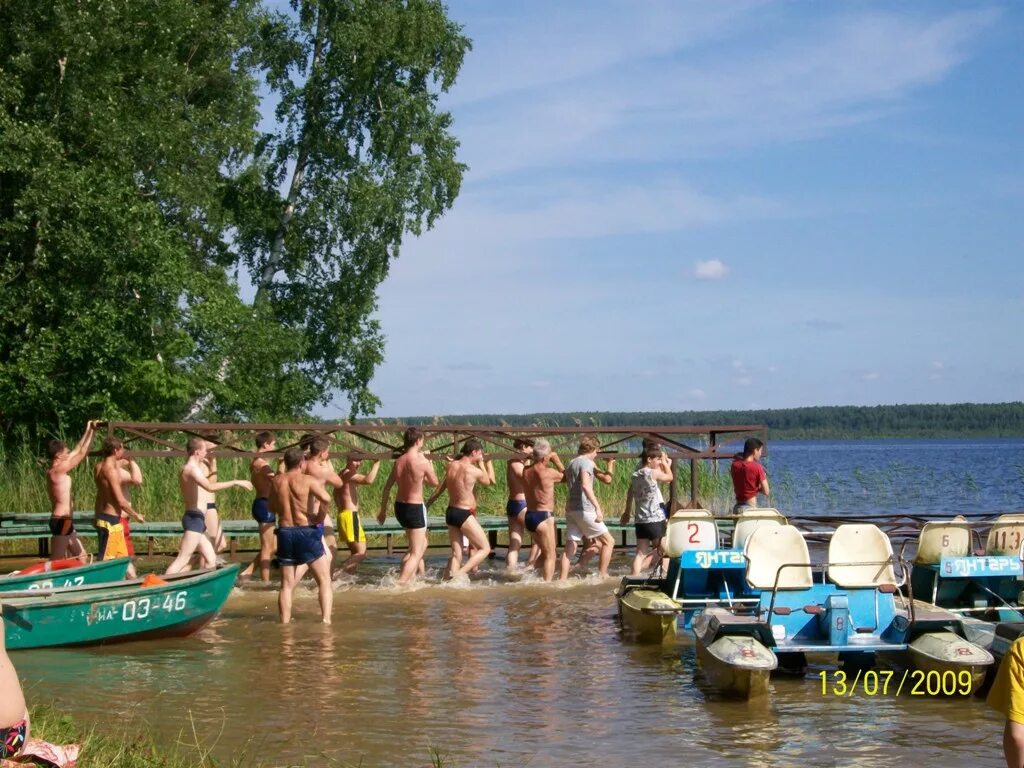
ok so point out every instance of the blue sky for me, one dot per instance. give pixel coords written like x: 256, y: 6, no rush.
x: 676, y: 206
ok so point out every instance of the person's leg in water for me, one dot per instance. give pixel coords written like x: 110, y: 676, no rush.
x: 478, y: 540
x: 568, y: 552
x: 607, y: 550
x: 590, y: 548
x: 515, y: 538
x: 455, y: 559
x: 284, y: 598
x: 191, y: 542
x: 545, y: 537
x: 414, y: 557
x: 643, y: 557
x: 321, y: 569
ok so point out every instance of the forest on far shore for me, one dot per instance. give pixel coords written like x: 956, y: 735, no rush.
x: 811, y: 423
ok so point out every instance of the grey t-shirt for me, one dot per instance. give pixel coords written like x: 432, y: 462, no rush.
x: 578, y: 501
x: 646, y: 496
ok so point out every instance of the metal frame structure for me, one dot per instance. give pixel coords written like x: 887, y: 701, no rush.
x: 371, y: 441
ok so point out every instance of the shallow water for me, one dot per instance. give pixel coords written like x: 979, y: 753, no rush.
x: 516, y: 674
x: 492, y: 673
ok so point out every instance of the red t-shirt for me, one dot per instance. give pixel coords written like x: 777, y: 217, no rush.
x: 746, y: 478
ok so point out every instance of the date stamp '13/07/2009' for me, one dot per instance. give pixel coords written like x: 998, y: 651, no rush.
x: 887, y: 682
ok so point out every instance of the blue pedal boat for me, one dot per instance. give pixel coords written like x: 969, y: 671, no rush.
x: 852, y: 607
x: 700, y: 574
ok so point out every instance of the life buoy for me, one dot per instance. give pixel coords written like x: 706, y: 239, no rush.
x: 47, y: 566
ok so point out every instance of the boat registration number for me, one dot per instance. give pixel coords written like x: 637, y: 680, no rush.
x: 713, y: 558
x: 988, y: 565
x: 75, y: 581
x: 142, y: 608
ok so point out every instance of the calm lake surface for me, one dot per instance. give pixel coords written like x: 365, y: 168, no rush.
x: 526, y: 674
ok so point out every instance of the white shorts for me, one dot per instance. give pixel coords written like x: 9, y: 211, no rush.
x: 583, y: 524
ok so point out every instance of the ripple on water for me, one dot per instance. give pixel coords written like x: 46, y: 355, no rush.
x: 509, y: 672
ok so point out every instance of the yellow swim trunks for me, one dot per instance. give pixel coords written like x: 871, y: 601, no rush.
x: 110, y: 534
x: 349, y: 527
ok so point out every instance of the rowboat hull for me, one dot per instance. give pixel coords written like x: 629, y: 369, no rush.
x: 737, y: 665
x: 649, y: 615
x: 946, y: 653
x: 117, y: 612
x: 100, y: 572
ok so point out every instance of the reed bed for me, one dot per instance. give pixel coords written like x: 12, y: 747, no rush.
x: 23, y: 486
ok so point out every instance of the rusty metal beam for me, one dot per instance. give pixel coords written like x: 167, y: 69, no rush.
x: 346, y: 436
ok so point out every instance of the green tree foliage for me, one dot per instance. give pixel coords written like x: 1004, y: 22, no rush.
x: 818, y: 422
x: 367, y: 157
x: 135, y: 190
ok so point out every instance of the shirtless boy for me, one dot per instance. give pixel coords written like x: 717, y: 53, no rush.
x: 515, y: 508
x: 64, y: 542
x: 318, y: 464
x: 260, y: 475
x: 461, y: 477
x: 191, y: 480
x: 300, y: 545
x: 131, y: 477
x: 539, y: 487
x: 319, y: 467
x: 207, y: 502
x: 411, y: 470
x: 350, y: 530
x: 111, y: 502
x: 13, y: 712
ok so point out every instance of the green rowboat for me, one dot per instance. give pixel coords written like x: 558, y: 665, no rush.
x: 100, y: 572
x: 115, y: 612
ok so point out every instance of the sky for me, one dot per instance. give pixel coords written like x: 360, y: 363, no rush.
x: 690, y: 206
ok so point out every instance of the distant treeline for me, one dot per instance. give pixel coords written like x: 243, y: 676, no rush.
x: 817, y: 422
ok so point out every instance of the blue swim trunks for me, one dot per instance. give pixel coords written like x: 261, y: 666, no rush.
x: 514, y: 507
x: 534, y: 519
x: 261, y: 511
x: 193, y: 520
x: 299, y: 545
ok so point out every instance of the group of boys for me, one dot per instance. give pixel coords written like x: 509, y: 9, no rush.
x: 532, y: 475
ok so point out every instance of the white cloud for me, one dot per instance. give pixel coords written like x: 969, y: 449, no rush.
x: 697, y: 394
x: 870, y: 376
x: 743, y: 381
x: 713, y: 269
x: 651, y: 102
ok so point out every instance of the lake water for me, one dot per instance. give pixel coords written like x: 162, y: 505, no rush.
x: 499, y: 673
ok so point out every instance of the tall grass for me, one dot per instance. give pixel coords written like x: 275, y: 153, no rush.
x: 23, y: 486
x: 129, y: 744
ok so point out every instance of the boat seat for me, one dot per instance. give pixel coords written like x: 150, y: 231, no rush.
x: 860, y: 543
x: 691, y: 529
x: 750, y: 520
x: 771, y: 547
x: 947, y: 538
x: 1005, y: 536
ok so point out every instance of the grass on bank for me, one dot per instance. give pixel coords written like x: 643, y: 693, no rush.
x: 129, y: 744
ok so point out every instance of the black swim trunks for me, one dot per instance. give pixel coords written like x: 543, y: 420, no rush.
x: 62, y: 526
x: 299, y: 545
x: 411, y: 515
x: 651, y: 531
x: 456, y: 516
x: 193, y: 520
